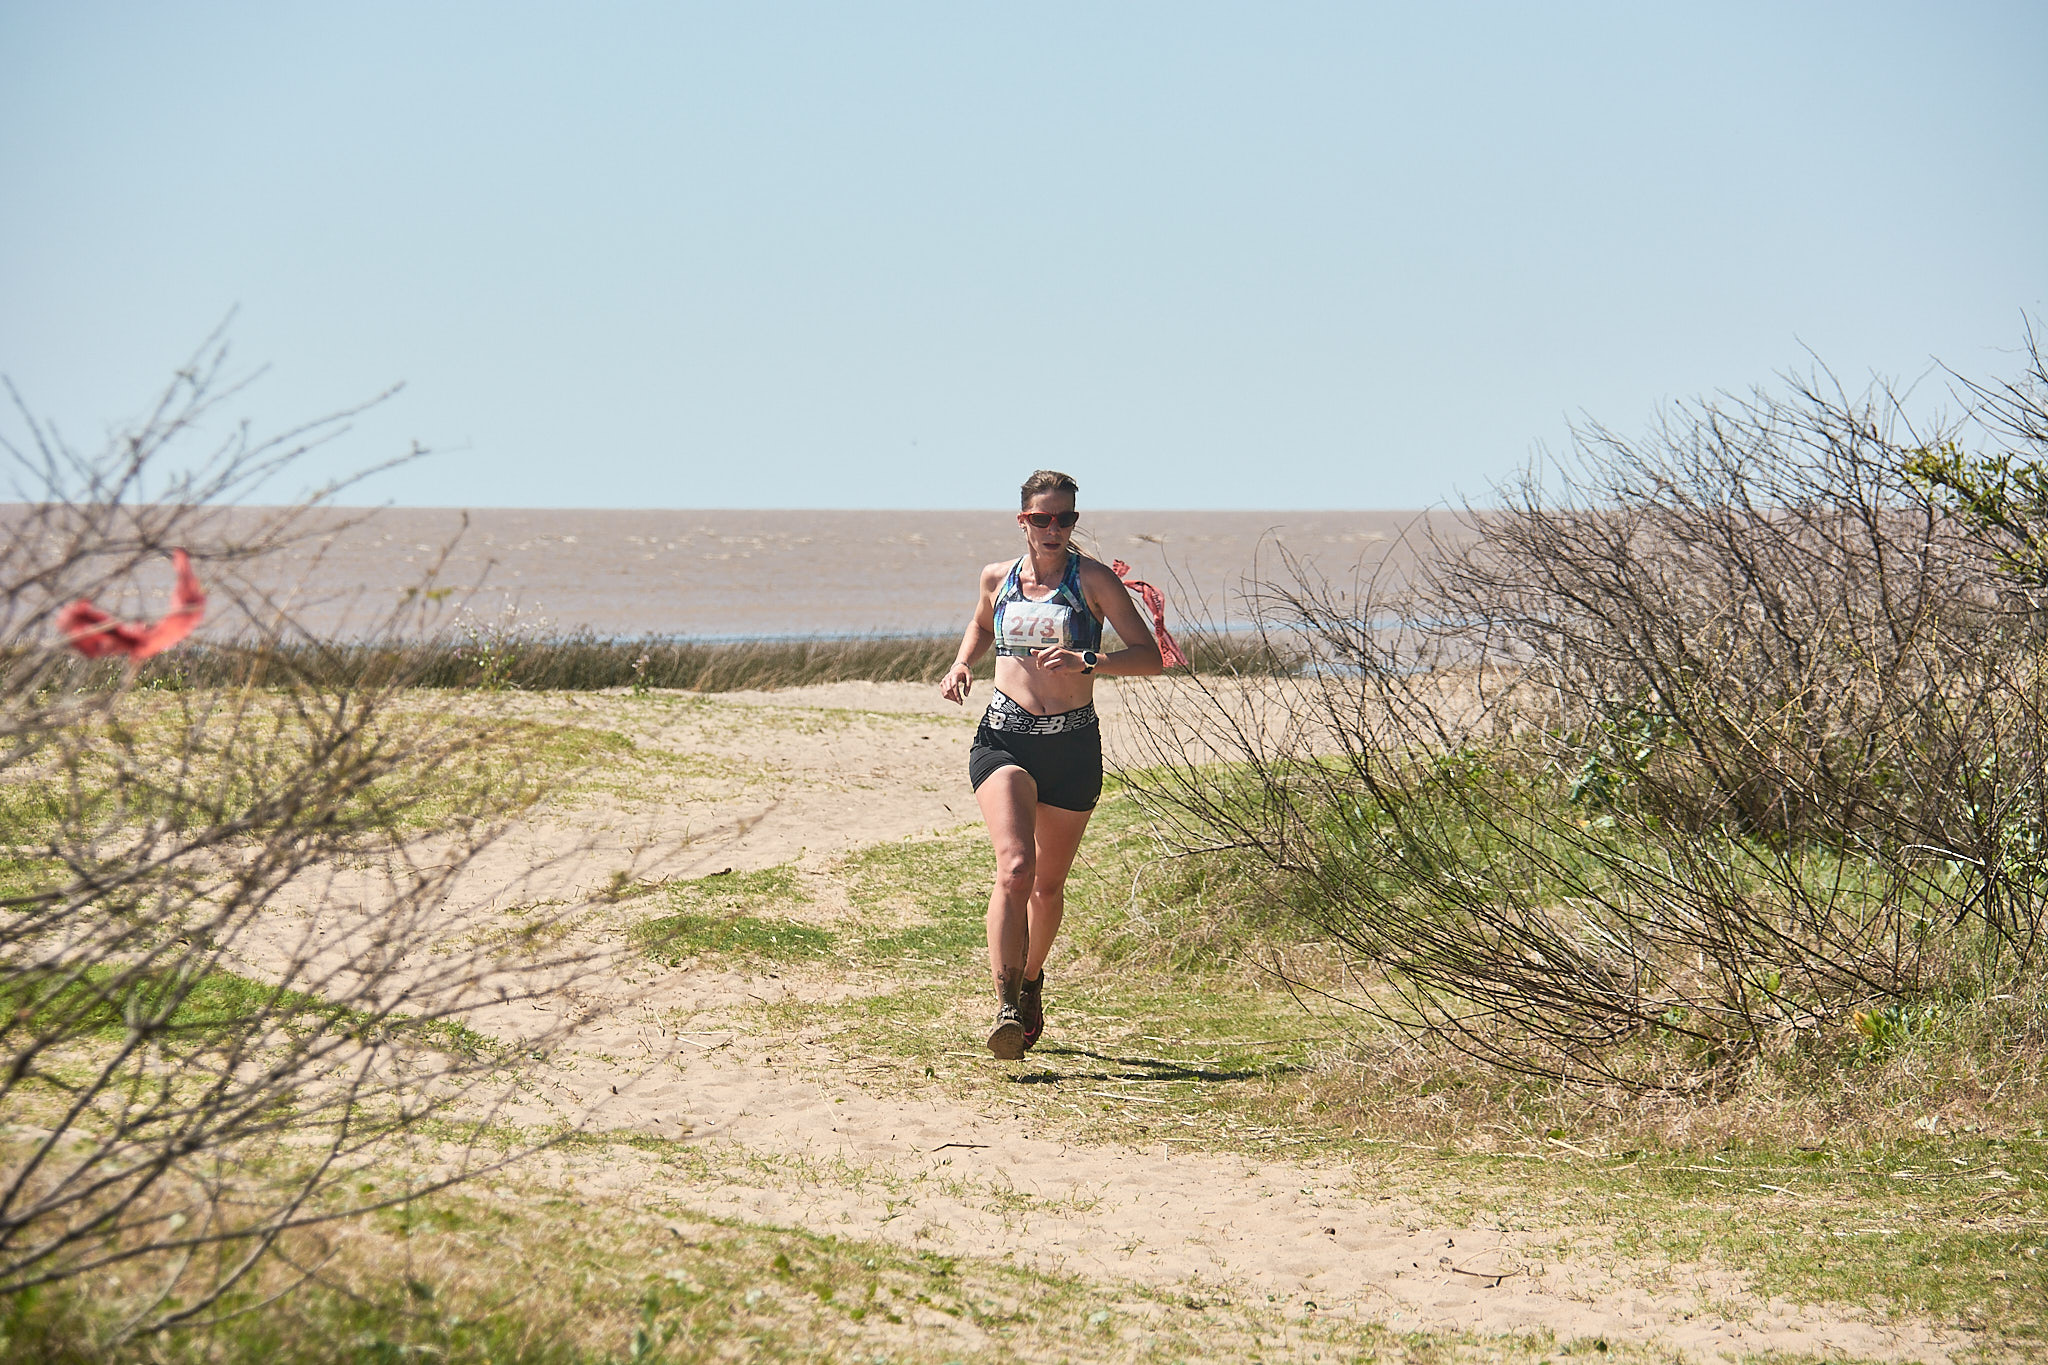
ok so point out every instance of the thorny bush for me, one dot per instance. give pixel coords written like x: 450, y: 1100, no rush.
x: 1680, y: 758
x: 230, y: 979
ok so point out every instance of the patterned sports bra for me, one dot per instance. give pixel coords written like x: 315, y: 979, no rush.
x: 1060, y: 621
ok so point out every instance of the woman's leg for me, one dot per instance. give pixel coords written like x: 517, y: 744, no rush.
x: 1058, y: 839
x: 1009, y: 804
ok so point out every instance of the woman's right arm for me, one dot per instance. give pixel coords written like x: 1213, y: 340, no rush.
x: 974, y: 641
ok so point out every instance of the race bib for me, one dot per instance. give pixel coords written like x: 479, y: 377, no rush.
x: 1035, y: 625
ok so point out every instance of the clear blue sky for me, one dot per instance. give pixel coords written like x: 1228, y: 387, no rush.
x: 898, y: 254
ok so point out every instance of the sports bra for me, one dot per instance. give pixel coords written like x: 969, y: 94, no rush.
x: 1060, y: 621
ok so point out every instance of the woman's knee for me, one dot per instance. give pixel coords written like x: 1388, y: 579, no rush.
x: 1016, y: 869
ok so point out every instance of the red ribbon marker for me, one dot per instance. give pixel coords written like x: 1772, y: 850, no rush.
x: 1155, y: 601
x: 96, y: 634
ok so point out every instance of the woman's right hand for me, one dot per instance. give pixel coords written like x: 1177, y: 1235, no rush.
x: 959, y: 680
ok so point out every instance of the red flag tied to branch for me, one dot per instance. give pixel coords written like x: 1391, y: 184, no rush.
x: 96, y: 634
x: 1155, y: 602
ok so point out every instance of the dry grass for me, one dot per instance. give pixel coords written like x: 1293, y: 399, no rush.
x: 537, y: 1277
x: 1165, y: 988
x: 507, y: 660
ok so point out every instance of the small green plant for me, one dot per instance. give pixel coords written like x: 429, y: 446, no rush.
x: 1882, y: 1029
x: 1616, y: 751
x: 725, y: 914
x: 2002, y: 498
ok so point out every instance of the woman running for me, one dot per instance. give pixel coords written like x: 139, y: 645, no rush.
x: 1036, y: 762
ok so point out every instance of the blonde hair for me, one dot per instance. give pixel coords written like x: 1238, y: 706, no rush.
x: 1047, y: 481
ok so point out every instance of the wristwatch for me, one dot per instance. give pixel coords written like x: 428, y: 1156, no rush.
x: 1089, y: 658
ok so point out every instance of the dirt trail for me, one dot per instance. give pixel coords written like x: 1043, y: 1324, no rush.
x: 788, y: 1130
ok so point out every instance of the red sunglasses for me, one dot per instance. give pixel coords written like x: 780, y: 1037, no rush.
x: 1044, y: 519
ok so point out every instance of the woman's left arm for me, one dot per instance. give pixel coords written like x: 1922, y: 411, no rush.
x: 1139, y: 658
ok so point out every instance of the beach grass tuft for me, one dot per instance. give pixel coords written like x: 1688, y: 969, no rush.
x: 589, y: 663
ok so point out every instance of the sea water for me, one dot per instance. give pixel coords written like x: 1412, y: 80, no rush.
x: 748, y: 574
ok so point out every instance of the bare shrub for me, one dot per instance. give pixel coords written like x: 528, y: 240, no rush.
x: 231, y: 981
x: 1717, y: 744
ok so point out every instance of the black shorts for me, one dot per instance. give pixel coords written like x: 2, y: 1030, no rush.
x: 1067, y: 767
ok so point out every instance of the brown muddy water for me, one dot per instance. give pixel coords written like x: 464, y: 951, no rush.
x: 743, y: 574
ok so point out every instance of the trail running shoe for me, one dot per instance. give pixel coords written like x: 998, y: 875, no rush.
x: 1006, y: 1039
x: 1031, y: 1007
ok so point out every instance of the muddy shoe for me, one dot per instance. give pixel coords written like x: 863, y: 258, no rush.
x: 1006, y: 1039
x: 1031, y: 1008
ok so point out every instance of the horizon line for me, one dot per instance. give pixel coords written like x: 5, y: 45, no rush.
x: 572, y: 507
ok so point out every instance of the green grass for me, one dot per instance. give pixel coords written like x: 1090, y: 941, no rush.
x: 935, y: 891
x: 26, y: 879
x: 201, y: 1008
x: 1917, y: 1228
x: 500, y: 763
x: 715, y: 916
x: 100, y: 1003
x: 1922, y: 1229
x: 1165, y: 1028
x: 1168, y: 1027
x: 1170, y: 1035
x: 673, y: 938
x: 547, y: 1280
x: 221, y: 767
x: 31, y: 811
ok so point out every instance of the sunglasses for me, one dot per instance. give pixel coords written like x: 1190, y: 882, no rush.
x: 1044, y: 519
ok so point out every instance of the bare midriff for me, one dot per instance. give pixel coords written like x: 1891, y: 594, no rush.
x: 1043, y: 694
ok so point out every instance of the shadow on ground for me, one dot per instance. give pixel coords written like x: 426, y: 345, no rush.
x: 1147, y: 1069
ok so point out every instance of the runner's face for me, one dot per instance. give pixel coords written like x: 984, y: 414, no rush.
x: 1050, y: 539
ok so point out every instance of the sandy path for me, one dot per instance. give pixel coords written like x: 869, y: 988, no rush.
x: 790, y: 1148
x: 791, y: 1134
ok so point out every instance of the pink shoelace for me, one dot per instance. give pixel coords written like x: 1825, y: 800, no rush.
x: 96, y: 634
x: 1155, y: 602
